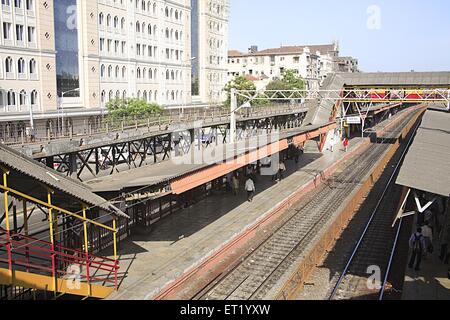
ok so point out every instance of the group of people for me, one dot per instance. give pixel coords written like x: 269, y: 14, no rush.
x: 234, y: 182
x: 345, y: 143
x: 433, y: 228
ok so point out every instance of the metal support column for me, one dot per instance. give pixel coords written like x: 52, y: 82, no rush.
x: 8, y: 227
x: 233, y: 110
x: 52, y: 240
x: 86, y: 251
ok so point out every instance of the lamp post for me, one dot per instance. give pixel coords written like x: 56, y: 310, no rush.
x: 61, y: 107
x: 185, y: 96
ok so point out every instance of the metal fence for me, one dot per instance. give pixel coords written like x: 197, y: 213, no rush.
x: 19, y: 133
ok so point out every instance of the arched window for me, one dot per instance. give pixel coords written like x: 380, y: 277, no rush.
x: 139, y: 94
x: 144, y: 96
x: 167, y: 75
x: 108, y: 20
x: 144, y: 73
x: 103, y: 97
x: 150, y: 95
x: 101, y: 19
x: 138, y: 73
x: 34, y: 98
x: 21, y: 66
x: 138, y: 27
x: 110, y: 70
x: 122, y: 24
x: 32, y: 66
x: 102, y: 71
x: 116, y: 22
x: 9, y: 65
x: 150, y: 73
x: 117, y: 94
x: 111, y: 95
x: 11, y: 98
x: 167, y: 12
x: 124, y: 95
x: 22, y: 98
x: 117, y: 73
x: 124, y: 72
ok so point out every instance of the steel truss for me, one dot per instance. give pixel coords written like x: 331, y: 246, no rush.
x: 90, y: 163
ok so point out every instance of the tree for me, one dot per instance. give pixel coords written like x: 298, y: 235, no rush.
x: 138, y: 108
x: 289, y: 81
x: 242, y: 83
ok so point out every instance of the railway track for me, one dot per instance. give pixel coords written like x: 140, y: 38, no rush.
x: 375, y: 248
x: 259, y: 272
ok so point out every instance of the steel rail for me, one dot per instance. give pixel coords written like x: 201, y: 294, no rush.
x: 375, y: 211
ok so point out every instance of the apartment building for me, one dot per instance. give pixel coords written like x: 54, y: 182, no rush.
x: 27, y: 56
x: 312, y: 62
x: 209, y: 49
x: 73, y: 56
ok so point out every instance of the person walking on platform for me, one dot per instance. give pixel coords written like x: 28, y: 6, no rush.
x: 428, y: 236
x: 235, y: 184
x: 418, y: 247
x: 281, y: 170
x: 250, y: 188
x: 345, y: 143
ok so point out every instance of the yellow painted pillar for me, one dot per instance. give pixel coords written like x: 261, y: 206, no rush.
x: 7, y: 225
x: 115, y: 237
x: 52, y: 240
x: 86, y: 251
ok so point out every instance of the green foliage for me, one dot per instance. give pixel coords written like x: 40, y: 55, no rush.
x: 242, y: 83
x: 137, y: 108
x: 289, y: 81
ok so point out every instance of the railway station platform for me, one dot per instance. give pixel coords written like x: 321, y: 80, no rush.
x: 151, y: 261
x: 430, y: 283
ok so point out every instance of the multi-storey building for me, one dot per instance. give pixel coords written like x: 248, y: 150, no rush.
x: 313, y: 63
x: 73, y: 56
x: 209, y: 49
x: 27, y: 56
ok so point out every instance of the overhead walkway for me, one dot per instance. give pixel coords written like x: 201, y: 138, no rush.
x: 204, y: 165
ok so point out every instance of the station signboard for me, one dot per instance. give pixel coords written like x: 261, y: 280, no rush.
x: 353, y: 120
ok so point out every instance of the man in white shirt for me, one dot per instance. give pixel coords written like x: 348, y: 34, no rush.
x: 250, y: 188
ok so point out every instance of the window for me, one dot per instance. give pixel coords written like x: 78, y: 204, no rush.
x: 21, y: 66
x: 34, y: 98
x: 32, y: 67
x: 22, y: 98
x: 102, y: 71
x: 18, y: 4
x: 11, y: 98
x: 6, y: 31
x: 31, y: 34
x: 9, y: 65
x: 30, y: 5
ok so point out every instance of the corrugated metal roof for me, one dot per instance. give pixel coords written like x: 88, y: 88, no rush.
x: 24, y: 166
x: 397, y: 78
x: 427, y: 164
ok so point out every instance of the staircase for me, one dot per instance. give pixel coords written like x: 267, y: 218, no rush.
x: 35, y: 264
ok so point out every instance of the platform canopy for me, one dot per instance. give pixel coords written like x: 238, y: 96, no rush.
x: 427, y: 164
x: 32, y: 178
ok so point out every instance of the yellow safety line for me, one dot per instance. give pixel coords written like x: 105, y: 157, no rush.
x: 52, y: 240
x: 32, y: 199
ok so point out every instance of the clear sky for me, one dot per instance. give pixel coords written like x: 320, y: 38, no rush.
x: 385, y: 35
